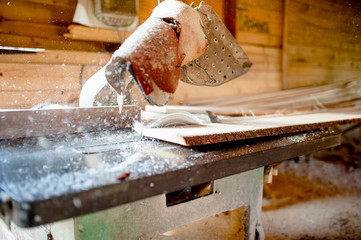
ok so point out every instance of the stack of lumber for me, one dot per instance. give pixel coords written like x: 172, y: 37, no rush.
x: 342, y: 96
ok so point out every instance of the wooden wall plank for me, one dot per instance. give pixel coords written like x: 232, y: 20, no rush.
x: 29, y: 99
x: 58, y: 3
x: 20, y: 77
x: 251, y: 83
x: 322, y: 43
x: 36, y: 12
x: 78, y: 32
x: 36, y: 42
x: 38, y: 30
x: 260, y: 24
x: 25, y: 85
x: 58, y: 57
x: 52, y: 76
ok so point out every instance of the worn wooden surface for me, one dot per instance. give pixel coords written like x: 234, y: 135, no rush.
x: 27, y: 123
x: 244, y: 128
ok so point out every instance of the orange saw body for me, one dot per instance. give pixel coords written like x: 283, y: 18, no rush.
x: 153, y: 53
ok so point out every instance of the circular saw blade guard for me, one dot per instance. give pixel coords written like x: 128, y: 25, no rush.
x: 223, y: 59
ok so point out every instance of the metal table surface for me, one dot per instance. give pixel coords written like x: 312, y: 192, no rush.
x: 46, y: 179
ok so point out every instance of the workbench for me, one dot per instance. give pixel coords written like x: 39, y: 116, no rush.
x: 114, y: 183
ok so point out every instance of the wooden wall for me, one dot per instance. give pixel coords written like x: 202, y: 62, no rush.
x: 322, y: 42
x: 53, y: 76
x: 291, y: 44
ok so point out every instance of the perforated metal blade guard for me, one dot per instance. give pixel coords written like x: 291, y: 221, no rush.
x: 223, y: 59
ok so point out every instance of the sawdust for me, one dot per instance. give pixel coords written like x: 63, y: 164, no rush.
x: 310, y: 179
x: 311, y: 199
x: 287, y: 189
x: 224, y: 226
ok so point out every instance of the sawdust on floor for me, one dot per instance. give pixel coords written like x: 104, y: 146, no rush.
x: 311, y: 199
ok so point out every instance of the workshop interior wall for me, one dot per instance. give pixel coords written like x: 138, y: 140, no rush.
x: 291, y: 44
x: 322, y: 42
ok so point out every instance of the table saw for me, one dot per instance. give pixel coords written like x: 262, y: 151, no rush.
x: 116, y: 184
x: 85, y: 174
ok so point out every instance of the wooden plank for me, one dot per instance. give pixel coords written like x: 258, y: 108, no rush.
x: 58, y: 57
x: 263, y: 58
x: 248, y: 128
x: 261, y: 50
x: 68, y: 120
x: 251, y: 83
x: 58, y: 3
x: 30, y: 99
x: 15, y: 76
x: 276, y: 6
x: 256, y: 20
x: 299, y: 56
x: 344, y: 16
x: 36, y: 42
x: 29, y: 29
x: 261, y: 39
x: 315, y: 37
x: 27, y: 85
x: 77, y: 32
x: 310, y: 58
x: 36, y: 12
x: 260, y: 24
x: 301, y: 77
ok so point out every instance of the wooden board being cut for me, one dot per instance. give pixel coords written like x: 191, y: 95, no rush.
x: 238, y: 129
